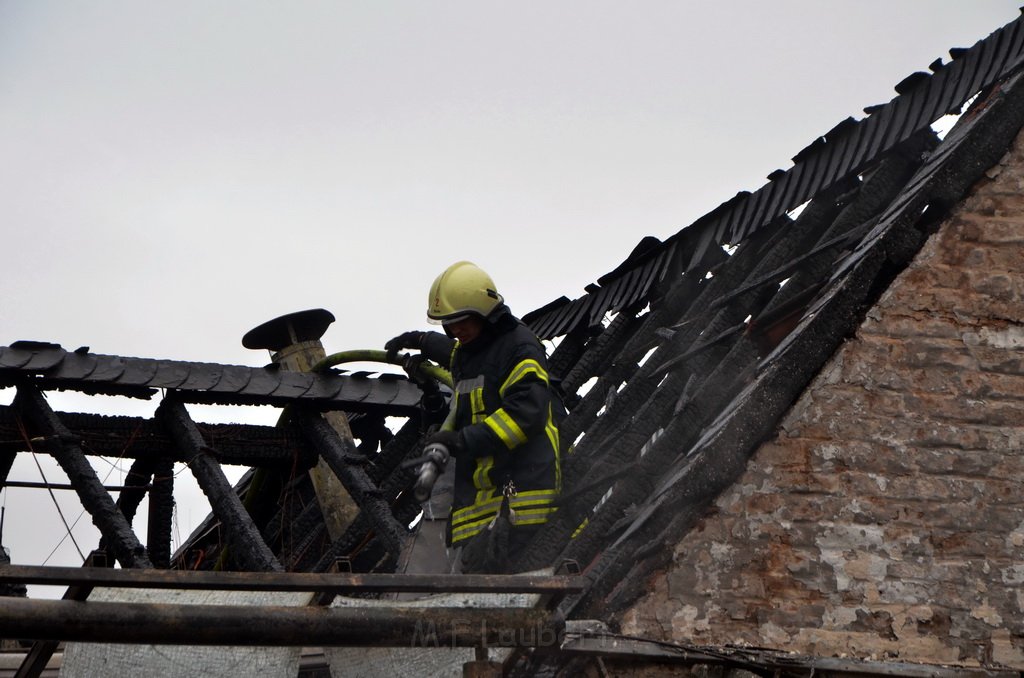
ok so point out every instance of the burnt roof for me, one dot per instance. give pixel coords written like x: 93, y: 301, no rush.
x: 696, y: 370
x: 52, y: 367
x: 677, y: 364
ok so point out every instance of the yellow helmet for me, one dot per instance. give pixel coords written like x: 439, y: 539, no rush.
x: 463, y: 289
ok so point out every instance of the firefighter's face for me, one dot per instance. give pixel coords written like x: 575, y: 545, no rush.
x: 466, y: 329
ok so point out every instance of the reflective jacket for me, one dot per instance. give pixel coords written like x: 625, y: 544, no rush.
x: 507, y: 419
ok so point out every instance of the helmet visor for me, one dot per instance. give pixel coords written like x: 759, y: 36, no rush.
x: 450, y: 319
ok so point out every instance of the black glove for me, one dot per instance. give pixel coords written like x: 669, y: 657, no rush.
x: 405, y: 340
x: 411, y: 364
x: 450, y: 439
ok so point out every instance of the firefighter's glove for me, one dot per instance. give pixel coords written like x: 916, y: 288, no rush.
x: 405, y: 340
x: 450, y: 439
x: 411, y: 363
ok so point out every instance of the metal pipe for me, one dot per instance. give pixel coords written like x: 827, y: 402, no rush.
x: 66, y: 486
x: 165, y: 624
x: 342, y: 582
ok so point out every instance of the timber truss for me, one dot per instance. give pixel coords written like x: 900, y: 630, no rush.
x: 155, y: 445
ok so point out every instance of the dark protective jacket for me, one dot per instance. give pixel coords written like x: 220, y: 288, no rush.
x: 507, y: 418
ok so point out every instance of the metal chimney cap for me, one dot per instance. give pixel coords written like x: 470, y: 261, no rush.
x: 289, y: 329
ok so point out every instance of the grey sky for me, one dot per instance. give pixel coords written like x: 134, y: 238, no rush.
x: 177, y: 173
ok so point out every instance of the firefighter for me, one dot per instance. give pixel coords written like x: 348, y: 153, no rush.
x: 505, y: 435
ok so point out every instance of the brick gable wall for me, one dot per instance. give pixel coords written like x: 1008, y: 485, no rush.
x: 886, y: 519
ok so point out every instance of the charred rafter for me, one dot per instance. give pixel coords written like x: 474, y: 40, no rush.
x: 339, y: 455
x: 246, y: 543
x: 95, y: 499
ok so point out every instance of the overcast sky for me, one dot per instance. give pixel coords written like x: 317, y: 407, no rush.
x: 176, y: 173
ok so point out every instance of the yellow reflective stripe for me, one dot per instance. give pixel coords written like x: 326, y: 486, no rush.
x: 476, y: 399
x: 470, y: 530
x: 535, y: 516
x: 529, y: 497
x: 482, y: 479
x: 475, y: 511
x: 506, y: 428
x: 522, y: 501
x: 582, y: 526
x: 552, y: 432
x: 520, y: 371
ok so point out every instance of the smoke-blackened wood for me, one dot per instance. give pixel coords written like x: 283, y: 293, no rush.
x: 135, y: 483
x: 569, y: 350
x: 404, y: 507
x: 335, y: 451
x: 370, y: 430
x: 690, y: 295
x: 247, y: 546
x: 599, y: 351
x: 344, y: 545
x: 161, y: 513
x: 307, y: 539
x: 881, y: 187
x: 651, y: 395
x: 638, y: 409
x: 134, y: 437
x: 394, y: 452
x: 127, y: 548
x: 687, y: 379
x: 133, y: 492
x: 207, y: 383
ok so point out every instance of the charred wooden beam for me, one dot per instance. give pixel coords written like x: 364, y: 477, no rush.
x: 314, y: 540
x: 568, y: 351
x: 136, y: 484
x: 336, y: 451
x: 112, y: 524
x: 165, y: 624
x: 394, y: 452
x: 132, y: 494
x: 161, y: 513
x: 135, y: 437
x: 247, y: 545
x: 384, y: 471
